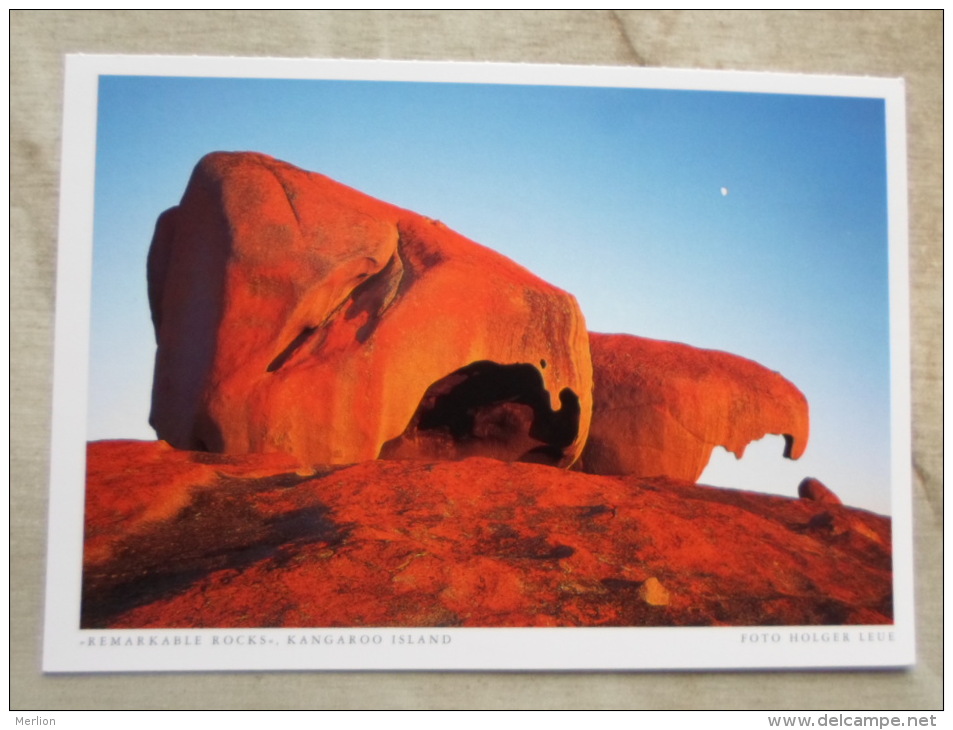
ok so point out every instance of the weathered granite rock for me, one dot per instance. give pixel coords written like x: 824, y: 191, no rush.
x: 295, y: 314
x: 194, y: 539
x: 660, y: 408
x: 816, y: 491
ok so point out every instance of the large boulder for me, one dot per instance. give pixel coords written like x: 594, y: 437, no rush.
x: 660, y: 408
x: 295, y: 314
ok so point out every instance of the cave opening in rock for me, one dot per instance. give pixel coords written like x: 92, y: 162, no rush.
x: 488, y: 409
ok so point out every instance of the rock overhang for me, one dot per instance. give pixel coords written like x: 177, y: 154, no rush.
x: 296, y: 314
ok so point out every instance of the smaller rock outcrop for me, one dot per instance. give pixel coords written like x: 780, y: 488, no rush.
x: 660, y: 408
x: 816, y: 491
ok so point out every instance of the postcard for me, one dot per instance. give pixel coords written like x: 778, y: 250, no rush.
x: 372, y: 365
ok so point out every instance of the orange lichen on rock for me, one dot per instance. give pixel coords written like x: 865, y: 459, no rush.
x: 295, y: 314
x: 250, y: 542
x: 660, y: 408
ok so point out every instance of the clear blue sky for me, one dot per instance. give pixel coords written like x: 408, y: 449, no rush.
x: 611, y: 194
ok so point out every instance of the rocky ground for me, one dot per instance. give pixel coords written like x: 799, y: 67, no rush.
x: 191, y: 539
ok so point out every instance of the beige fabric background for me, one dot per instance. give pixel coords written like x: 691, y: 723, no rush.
x: 881, y: 43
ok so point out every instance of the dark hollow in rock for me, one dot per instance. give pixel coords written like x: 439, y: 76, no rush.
x: 488, y: 409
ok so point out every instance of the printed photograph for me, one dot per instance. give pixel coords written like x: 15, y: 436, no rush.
x: 436, y: 354
x: 448, y: 355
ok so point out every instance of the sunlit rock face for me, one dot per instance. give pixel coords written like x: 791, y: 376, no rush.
x: 181, y: 539
x: 660, y: 408
x: 295, y: 314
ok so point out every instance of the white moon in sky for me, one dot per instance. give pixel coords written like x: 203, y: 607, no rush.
x: 724, y: 191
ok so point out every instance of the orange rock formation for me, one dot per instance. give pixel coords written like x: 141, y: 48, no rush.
x: 188, y: 539
x: 302, y: 324
x: 295, y: 314
x: 660, y: 408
